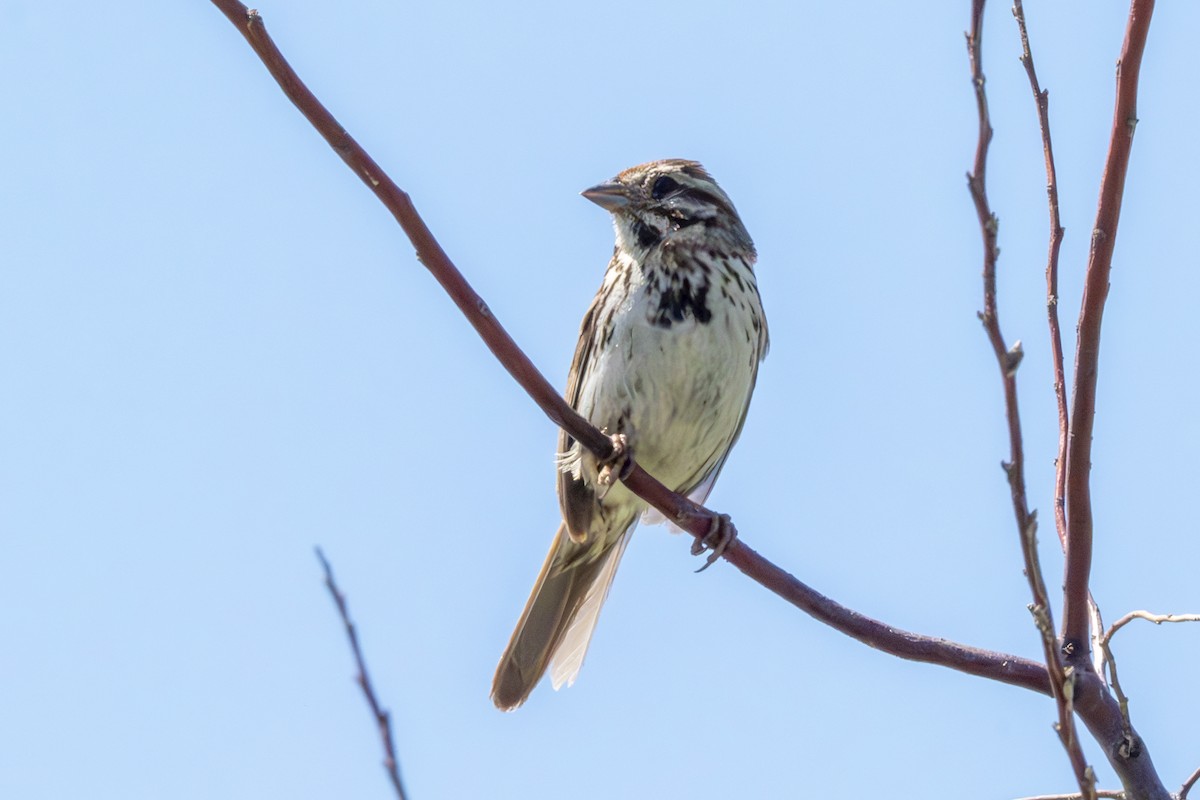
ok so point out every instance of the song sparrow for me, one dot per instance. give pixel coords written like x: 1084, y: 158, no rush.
x: 667, y: 358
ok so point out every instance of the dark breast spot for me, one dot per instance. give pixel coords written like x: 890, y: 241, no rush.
x: 647, y: 237
x: 680, y: 300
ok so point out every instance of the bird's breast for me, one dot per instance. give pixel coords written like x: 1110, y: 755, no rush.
x: 677, y: 370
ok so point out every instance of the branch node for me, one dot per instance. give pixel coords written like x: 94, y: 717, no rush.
x: 1130, y: 747
x: 1012, y: 359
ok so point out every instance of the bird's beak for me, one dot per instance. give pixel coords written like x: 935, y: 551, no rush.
x: 610, y: 196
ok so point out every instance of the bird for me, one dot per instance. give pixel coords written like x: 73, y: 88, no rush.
x: 666, y: 363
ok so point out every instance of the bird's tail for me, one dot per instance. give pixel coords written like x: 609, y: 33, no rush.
x: 558, y: 620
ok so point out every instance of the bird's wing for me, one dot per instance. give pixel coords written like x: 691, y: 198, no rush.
x: 576, y: 498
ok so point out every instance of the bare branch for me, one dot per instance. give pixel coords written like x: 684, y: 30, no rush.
x: 382, y: 718
x: 1042, y: 99
x: 1188, y: 784
x: 1104, y: 715
x: 1061, y: 681
x: 694, y: 518
x: 1114, y: 794
x: 1109, y: 661
x: 1087, y: 351
x: 1107, y: 717
x: 1157, y: 619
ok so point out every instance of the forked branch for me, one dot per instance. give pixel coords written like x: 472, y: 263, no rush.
x: 1087, y: 351
x: 1108, y: 719
x: 1008, y: 359
x: 1109, y: 662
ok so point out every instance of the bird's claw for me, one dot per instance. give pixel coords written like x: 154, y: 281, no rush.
x: 720, y: 535
x: 617, y: 466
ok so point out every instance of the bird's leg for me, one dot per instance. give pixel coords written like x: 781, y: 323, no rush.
x: 720, y: 535
x: 617, y: 466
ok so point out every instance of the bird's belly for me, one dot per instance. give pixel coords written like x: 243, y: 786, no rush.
x: 678, y: 393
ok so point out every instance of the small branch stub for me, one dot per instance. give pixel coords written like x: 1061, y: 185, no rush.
x: 1012, y: 359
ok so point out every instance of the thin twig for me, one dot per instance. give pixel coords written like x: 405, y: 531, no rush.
x: 1157, y: 619
x: 1042, y: 99
x: 1112, y: 794
x: 1087, y: 351
x: 1109, y: 661
x: 382, y: 718
x: 1008, y: 359
x: 1188, y: 784
x: 694, y: 518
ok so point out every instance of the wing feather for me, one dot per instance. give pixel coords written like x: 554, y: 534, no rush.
x: 576, y: 499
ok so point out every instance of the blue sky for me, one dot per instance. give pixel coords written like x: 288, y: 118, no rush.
x: 220, y: 352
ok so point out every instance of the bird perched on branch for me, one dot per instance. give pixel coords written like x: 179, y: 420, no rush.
x: 666, y: 362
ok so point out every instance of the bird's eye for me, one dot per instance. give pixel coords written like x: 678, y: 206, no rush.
x: 663, y: 186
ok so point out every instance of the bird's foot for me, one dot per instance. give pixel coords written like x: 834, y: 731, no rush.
x: 720, y: 535
x: 617, y: 466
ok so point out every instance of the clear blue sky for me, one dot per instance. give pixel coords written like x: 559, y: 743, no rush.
x: 219, y: 351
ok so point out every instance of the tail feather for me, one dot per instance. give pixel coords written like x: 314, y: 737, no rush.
x: 568, y: 655
x: 557, y: 623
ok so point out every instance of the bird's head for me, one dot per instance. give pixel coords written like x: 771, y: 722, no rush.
x: 670, y: 200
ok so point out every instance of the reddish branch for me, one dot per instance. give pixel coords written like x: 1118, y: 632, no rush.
x: 1042, y: 101
x: 1008, y: 361
x: 1096, y: 706
x: 382, y: 719
x: 1087, y: 351
x: 1107, y: 718
x: 1042, y: 98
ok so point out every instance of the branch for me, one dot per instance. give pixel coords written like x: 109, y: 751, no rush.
x: 1106, y: 718
x: 1042, y: 98
x: 1061, y: 682
x: 1115, y: 794
x: 1157, y: 619
x: 690, y: 516
x: 1188, y: 784
x: 1109, y: 661
x: 382, y: 718
x: 1042, y: 101
x: 1087, y: 351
